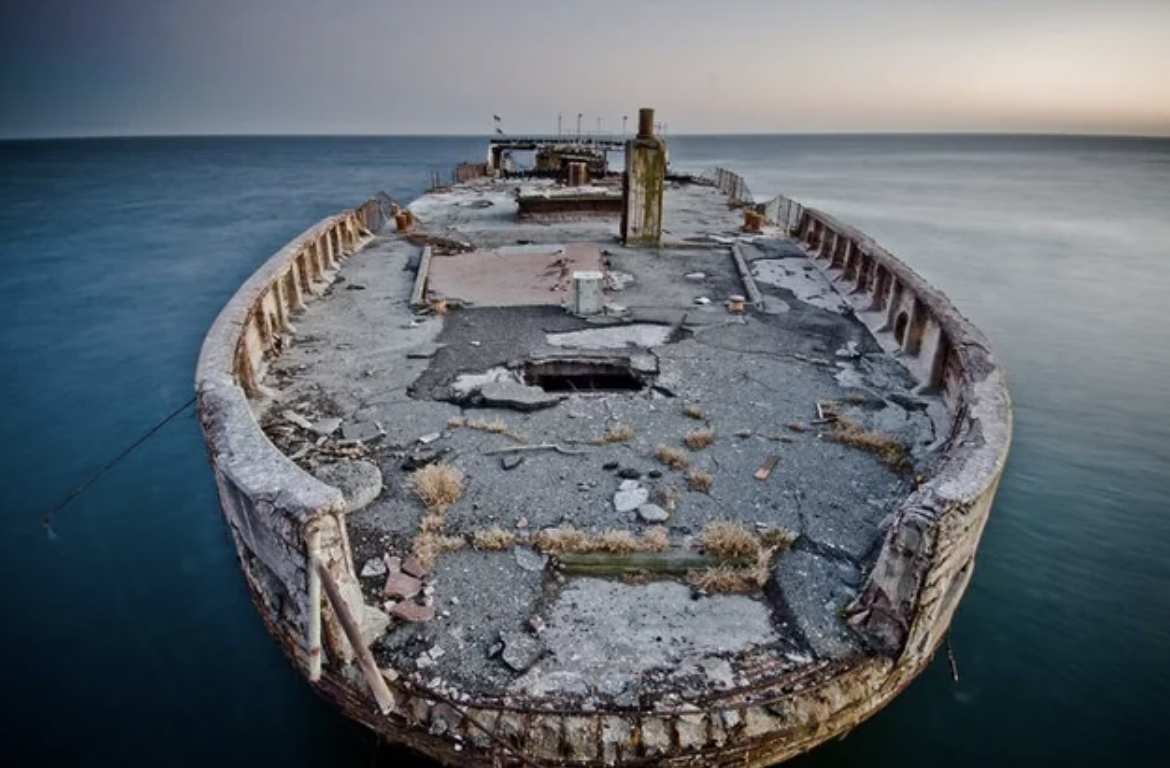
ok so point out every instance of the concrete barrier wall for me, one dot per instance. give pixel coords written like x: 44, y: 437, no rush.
x: 929, y: 548
x: 271, y: 505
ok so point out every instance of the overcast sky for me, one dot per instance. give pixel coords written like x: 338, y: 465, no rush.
x: 100, y: 67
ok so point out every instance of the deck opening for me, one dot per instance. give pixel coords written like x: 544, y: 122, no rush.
x: 582, y: 376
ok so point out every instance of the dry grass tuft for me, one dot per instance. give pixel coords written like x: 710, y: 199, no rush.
x: 886, y: 447
x: 797, y: 426
x: 693, y: 411
x: 438, y: 485
x: 855, y: 398
x: 619, y: 433
x: 726, y: 578
x: 672, y: 457
x: 777, y: 537
x: 655, y: 539
x: 431, y: 523
x: 496, y: 426
x: 615, y: 541
x: 455, y: 422
x: 559, y: 540
x: 428, y: 546
x: 699, y: 439
x: 724, y: 538
x: 666, y: 496
x: 723, y: 578
x: 493, y: 539
x: 699, y: 480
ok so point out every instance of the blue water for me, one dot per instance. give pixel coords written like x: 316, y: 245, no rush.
x: 129, y: 638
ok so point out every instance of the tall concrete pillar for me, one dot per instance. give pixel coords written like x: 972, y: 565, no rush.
x: 644, y: 182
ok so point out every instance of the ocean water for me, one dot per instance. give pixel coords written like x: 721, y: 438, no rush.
x: 128, y: 638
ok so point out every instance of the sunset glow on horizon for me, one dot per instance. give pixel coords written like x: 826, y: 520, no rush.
x: 130, y: 67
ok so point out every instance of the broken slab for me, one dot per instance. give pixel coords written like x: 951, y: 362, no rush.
x: 360, y: 482
x: 518, y: 397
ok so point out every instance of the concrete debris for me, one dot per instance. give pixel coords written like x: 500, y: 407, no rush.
x: 413, y: 612
x: 401, y: 585
x: 519, y: 397
x: 520, y: 650
x: 652, y: 513
x: 295, y: 418
x: 412, y: 567
x: 425, y: 352
x: 363, y: 432
x: 628, y: 499
x: 360, y: 482
x: 326, y: 427
x: 373, y: 567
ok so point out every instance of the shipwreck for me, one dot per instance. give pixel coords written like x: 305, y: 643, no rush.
x: 570, y: 467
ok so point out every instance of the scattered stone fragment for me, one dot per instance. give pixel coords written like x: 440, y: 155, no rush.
x: 360, y: 482
x: 628, y: 485
x: 295, y: 418
x: 520, y: 650
x: 654, y: 474
x: 519, y: 397
x: 537, y: 624
x: 375, y: 566
x: 326, y: 427
x: 629, y: 473
x: 529, y: 559
x: 609, y: 466
x: 652, y: 513
x: 427, y: 439
x: 696, y: 276
x: 629, y: 499
x: 702, y: 301
x: 354, y: 286
x: 412, y: 567
x: 401, y: 585
x: 413, y: 612
x: 511, y: 462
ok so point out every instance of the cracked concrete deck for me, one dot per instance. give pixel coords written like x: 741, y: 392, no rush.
x: 392, y: 378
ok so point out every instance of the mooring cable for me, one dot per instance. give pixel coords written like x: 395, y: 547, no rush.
x: 47, y: 520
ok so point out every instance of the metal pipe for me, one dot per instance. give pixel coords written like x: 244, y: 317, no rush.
x: 364, y: 658
x: 314, y: 607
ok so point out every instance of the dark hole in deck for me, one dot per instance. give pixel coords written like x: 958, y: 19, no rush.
x: 582, y: 376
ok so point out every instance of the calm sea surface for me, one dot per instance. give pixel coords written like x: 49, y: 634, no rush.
x: 130, y: 640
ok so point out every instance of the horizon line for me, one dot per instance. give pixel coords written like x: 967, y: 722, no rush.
x: 364, y: 135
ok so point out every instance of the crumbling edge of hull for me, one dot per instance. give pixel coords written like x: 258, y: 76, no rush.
x: 274, y: 510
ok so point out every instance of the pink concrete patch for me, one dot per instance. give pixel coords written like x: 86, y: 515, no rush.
x: 529, y: 278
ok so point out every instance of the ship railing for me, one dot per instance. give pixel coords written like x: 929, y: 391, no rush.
x: 288, y: 526
x: 731, y: 184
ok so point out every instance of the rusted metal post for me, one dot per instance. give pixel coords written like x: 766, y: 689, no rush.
x: 364, y: 658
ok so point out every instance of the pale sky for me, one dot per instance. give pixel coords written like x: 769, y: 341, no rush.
x: 130, y: 67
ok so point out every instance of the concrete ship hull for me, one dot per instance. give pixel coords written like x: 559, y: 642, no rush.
x: 296, y: 552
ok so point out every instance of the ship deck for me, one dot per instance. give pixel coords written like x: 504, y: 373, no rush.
x: 489, y: 385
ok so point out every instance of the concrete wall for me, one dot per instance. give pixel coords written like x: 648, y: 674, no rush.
x: 271, y: 505
x: 929, y: 548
